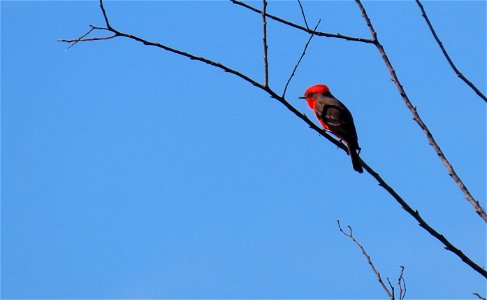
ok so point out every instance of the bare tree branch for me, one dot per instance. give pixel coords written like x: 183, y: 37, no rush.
x: 479, y: 296
x: 299, y: 61
x: 402, y: 284
x: 304, y: 16
x: 75, y: 41
x: 318, y: 33
x: 369, y: 260
x: 455, y: 69
x: 392, y: 288
x: 84, y: 38
x: 418, y: 119
x: 264, y: 38
x: 273, y: 94
x: 109, y: 27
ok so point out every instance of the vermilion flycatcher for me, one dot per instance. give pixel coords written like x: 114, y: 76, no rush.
x: 334, y: 117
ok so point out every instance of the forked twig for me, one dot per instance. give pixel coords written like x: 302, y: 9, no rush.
x: 84, y: 38
x: 443, y: 50
x: 369, y: 260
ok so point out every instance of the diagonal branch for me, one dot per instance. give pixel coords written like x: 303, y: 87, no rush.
x: 304, y: 16
x: 392, y: 288
x: 264, y: 38
x: 455, y: 69
x: 369, y: 260
x: 299, y: 60
x: 479, y: 296
x: 415, y: 214
x: 418, y: 119
x: 274, y: 95
x: 318, y: 33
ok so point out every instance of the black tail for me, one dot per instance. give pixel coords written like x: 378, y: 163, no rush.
x: 357, y: 165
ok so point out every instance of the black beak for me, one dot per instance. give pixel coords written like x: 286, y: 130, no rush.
x: 302, y: 97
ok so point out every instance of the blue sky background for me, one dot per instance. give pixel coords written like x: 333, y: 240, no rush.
x: 128, y: 172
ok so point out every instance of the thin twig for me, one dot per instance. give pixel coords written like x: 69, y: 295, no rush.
x: 369, y: 260
x: 80, y: 39
x: 455, y: 69
x: 264, y: 38
x: 299, y: 61
x: 382, y: 183
x: 318, y: 33
x: 75, y: 41
x: 302, y: 12
x: 402, y: 284
x: 84, y: 39
x: 392, y: 288
x: 418, y: 119
x: 479, y: 296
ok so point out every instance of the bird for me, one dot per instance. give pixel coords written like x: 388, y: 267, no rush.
x: 335, y: 117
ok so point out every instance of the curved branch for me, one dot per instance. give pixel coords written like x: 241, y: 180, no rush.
x: 455, y: 69
x: 476, y: 204
x: 479, y: 296
x: 401, y: 282
x: 382, y: 183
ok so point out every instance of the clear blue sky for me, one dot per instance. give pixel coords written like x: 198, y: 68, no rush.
x: 128, y: 172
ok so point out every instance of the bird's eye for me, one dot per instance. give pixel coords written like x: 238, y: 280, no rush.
x: 309, y: 95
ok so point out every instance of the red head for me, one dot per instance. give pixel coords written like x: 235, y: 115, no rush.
x: 310, y: 93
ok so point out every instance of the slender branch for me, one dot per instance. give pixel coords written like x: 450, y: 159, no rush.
x: 299, y: 61
x: 479, y: 296
x: 418, y: 119
x: 392, y: 288
x: 83, y: 38
x: 75, y: 41
x: 402, y: 284
x: 304, y: 16
x: 109, y: 27
x: 318, y: 33
x: 455, y: 69
x: 264, y: 38
x: 80, y: 39
x: 369, y: 260
x: 273, y: 94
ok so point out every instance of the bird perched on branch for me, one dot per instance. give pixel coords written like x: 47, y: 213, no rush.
x: 336, y: 118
